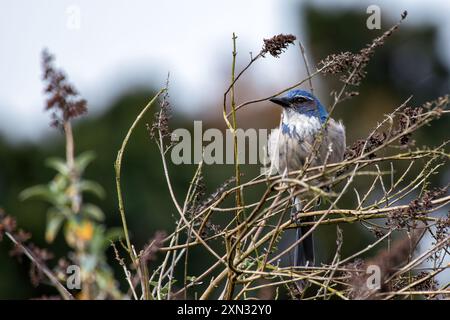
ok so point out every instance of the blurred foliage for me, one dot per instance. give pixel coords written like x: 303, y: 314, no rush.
x: 83, y: 229
x: 408, y: 64
x: 59, y: 192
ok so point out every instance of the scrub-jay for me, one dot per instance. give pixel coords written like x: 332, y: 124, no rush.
x: 288, y: 147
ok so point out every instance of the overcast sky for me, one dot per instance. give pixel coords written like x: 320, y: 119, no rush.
x: 118, y: 44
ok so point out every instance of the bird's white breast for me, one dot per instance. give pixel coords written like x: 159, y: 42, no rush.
x: 302, y: 125
x: 289, y: 147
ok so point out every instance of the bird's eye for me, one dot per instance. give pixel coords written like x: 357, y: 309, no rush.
x: 300, y: 99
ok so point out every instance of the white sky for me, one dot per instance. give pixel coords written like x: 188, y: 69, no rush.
x: 122, y: 43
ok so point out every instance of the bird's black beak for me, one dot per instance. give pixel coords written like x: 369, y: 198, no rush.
x: 284, y: 102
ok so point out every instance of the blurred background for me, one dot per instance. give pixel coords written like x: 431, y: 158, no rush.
x: 118, y: 54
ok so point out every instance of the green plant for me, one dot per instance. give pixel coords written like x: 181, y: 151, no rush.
x: 82, y: 222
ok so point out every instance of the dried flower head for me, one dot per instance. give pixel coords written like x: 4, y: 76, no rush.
x: 19, y: 237
x: 277, y: 44
x: 199, y: 194
x: 407, y: 218
x: 199, y: 206
x: 409, y: 117
x: 150, y: 250
x: 200, y: 202
x: 378, y: 232
x: 387, y: 261
x: 443, y: 228
x: 210, y: 229
x: 62, y: 97
x: 41, y: 256
x: 424, y: 283
x: 160, y: 125
x: 7, y: 224
x: 337, y: 63
x: 362, y: 146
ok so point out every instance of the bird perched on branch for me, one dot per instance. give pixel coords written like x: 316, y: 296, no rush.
x: 303, y: 118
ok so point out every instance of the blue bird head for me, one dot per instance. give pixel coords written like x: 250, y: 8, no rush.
x: 303, y: 102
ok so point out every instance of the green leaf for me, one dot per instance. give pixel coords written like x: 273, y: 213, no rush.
x: 96, y: 243
x: 59, y: 183
x: 112, y: 234
x: 39, y: 191
x: 93, y: 212
x: 65, y: 211
x: 54, y: 222
x: 58, y: 164
x: 165, y: 288
x: 83, y: 160
x: 92, y: 187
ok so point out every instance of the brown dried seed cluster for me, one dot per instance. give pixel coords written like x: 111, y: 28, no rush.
x: 200, y: 203
x: 62, y: 98
x: 409, y: 117
x: 198, y: 198
x: 378, y: 232
x: 429, y: 284
x: 337, y: 63
x: 162, y: 117
x: 150, y: 250
x: 356, y: 149
x: 42, y: 256
x: 8, y: 224
x: 277, y: 44
x: 443, y: 228
x: 210, y: 229
x: 437, y: 104
x: 387, y: 260
x: 407, y: 218
x: 213, y: 197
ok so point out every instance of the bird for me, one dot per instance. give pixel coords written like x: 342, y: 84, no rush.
x: 302, y: 119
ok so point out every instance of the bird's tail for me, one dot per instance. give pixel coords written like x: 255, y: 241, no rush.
x: 304, y: 252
